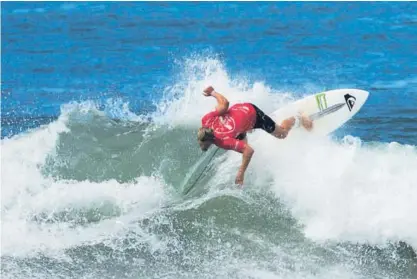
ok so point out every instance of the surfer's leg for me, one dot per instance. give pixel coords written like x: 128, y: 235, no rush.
x: 305, y: 121
x: 281, y: 131
x: 265, y: 122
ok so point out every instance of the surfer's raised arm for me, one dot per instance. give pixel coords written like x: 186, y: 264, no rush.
x: 222, y: 102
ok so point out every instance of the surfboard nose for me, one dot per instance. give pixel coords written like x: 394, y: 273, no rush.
x: 363, y: 94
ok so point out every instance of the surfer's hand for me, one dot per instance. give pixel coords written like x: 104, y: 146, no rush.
x: 239, y: 178
x: 208, y: 91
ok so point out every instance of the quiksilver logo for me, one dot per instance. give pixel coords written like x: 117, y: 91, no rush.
x: 350, y: 101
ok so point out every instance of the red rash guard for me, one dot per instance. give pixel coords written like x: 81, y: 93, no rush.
x: 237, y: 120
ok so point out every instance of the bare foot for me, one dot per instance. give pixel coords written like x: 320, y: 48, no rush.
x: 306, y: 122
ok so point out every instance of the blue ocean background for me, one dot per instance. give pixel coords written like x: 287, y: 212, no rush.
x: 100, y: 102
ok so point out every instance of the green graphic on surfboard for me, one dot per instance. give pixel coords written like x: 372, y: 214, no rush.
x: 321, y: 101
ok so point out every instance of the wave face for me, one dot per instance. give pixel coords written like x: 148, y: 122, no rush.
x: 99, y: 192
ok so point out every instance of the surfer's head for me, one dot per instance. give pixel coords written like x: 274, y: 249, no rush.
x: 205, y: 137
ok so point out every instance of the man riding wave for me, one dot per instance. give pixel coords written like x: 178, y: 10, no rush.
x: 226, y: 127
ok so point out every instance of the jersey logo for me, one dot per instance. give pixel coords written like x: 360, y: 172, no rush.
x: 228, y: 125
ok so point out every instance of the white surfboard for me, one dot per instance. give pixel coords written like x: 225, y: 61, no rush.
x: 329, y: 110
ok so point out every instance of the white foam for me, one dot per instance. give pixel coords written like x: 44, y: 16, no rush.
x: 184, y: 103
x: 326, y: 272
x: 345, y: 191
x: 23, y: 155
x: 27, y: 237
x: 114, y: 108
x: 27, y: 194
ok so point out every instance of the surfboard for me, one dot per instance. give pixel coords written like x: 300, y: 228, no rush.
x: 329, y: 110
x: 198, y: 169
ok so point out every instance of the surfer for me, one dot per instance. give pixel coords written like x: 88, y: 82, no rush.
x: 226, y: 127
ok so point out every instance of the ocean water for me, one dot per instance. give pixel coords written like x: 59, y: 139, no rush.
x: 100, y: 102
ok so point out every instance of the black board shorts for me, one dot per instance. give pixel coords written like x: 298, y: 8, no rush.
x: 263, y: 122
